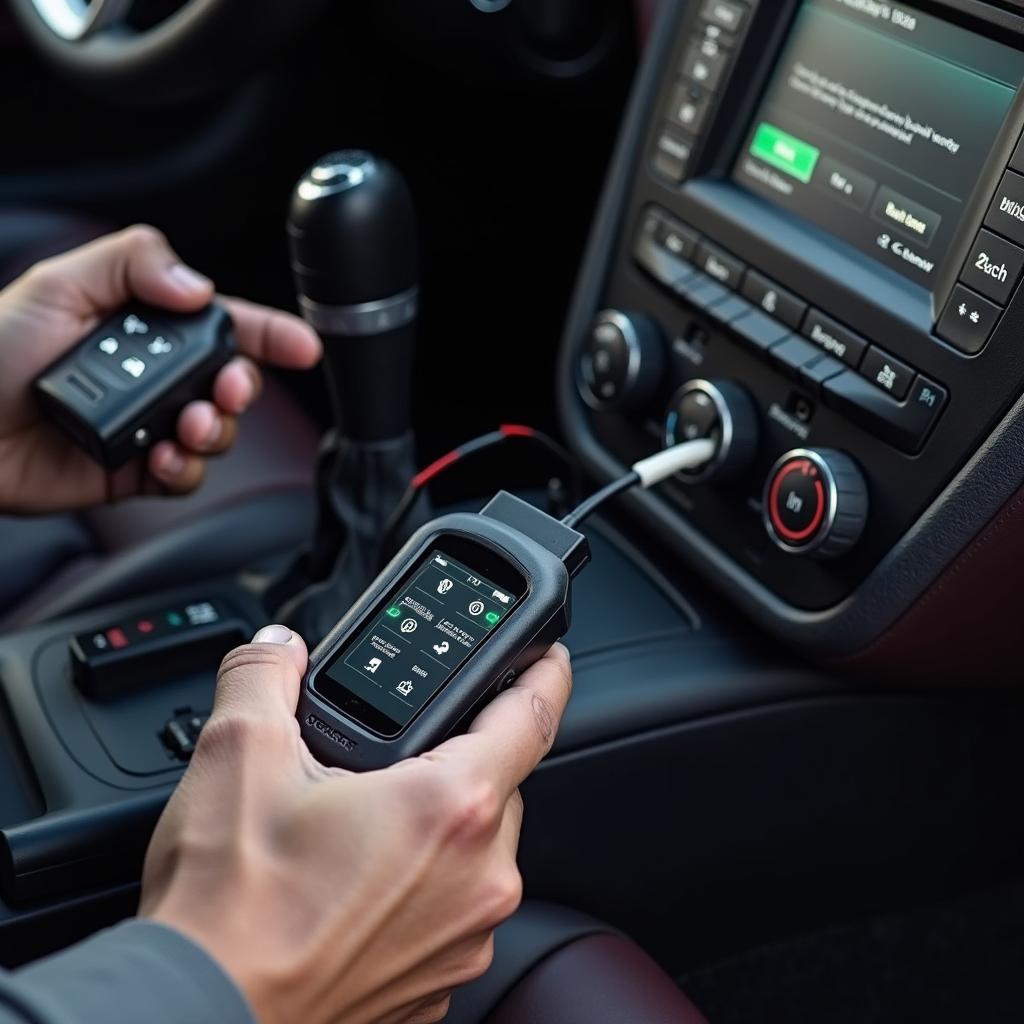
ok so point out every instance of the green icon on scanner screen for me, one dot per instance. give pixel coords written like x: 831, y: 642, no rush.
x: 786, y: 152
x: 394, y: 612
x: 492, y: 618
x: 174, y: 619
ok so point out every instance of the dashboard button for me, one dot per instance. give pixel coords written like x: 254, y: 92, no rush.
x: 661, y: 265
x: 968, y: 320
x: 925, y: 402
x: 993, y: 267
x: 813, y: 375
x: 688, y: 107
x: 703, y: 69
x: 775, y: 301
x: 700, y: 290
x: 654, y: 256
x: 725, y: 269
x: 886, y: 372
x: 759, y: 330
x: 834, y: 338
x: 794, y: 353
x: 1006, y: 211
x: 903, y: 424
x: 676, y: 238
x: 727, y: 14
x: 728, y: 309
x: 672, y: 154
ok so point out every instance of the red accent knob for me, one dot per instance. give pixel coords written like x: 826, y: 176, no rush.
x: 815, y: 502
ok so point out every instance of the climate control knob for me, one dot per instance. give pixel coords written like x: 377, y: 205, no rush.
x: 815, y: 502
x: 622, y: 361
x: 722, y: 411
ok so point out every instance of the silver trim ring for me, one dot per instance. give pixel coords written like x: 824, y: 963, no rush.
x: 74, y: 20
x: 337, y: 172
x: 585, y: 377
x: 710, y: 467
x: 364, y: 318
x: 830, y: 510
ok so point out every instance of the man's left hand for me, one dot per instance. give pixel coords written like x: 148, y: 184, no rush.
x: 59, y: 301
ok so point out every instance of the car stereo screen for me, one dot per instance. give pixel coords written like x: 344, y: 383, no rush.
x: 416, y: 641
x: 876, y: 124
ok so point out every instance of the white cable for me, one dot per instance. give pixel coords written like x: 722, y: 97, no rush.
x: 680, y: 457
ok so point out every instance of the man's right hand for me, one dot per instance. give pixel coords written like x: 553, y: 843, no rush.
x: 331, y: 897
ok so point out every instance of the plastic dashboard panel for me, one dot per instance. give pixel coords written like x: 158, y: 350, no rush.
x: 953, y: 513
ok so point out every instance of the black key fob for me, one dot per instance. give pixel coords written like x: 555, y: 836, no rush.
x: 123, y: 387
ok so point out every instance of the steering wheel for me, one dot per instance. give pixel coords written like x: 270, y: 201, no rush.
x: 202, y: 47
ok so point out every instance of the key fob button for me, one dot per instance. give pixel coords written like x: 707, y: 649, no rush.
x: 133, y: 324
x: 132, y: 367
x: 108, y: 346
x: 161, y: 345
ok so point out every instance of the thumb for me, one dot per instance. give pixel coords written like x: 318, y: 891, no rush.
x: 137, y: 263
x: 261, y: 679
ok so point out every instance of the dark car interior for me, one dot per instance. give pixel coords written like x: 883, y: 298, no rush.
x: 790, y: 769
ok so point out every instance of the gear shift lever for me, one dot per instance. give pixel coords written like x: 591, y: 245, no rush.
x: 353, y: 240
x: 352, y: 231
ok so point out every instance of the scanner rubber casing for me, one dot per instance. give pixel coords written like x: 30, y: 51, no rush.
x: 541, y: 618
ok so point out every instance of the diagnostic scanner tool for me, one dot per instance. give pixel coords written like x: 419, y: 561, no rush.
x: 122, y: 388
x: 471, y: 601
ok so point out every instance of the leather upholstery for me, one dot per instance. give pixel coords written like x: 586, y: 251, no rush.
x: 255, y: 502
x: 601, y: 979
x: 960, y: 629
x: 553, y: 965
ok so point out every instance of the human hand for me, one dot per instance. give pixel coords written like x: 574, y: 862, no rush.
x: 334, y: 897
x: 60, y: 300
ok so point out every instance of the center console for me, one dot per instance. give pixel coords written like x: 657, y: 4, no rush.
x: 809, y: 249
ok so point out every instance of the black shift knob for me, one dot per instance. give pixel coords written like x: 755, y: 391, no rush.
x: 353, y: 240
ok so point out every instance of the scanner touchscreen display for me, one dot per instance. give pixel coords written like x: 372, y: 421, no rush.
x: 876, y: 124
x: 417, y: 639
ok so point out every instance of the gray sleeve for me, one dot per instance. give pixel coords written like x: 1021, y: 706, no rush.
x: 138, y: 971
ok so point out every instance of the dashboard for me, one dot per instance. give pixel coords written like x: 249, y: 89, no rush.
x: 809, y: 249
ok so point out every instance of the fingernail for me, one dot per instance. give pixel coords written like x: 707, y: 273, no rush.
x: 273, y: 635
x: 173, y: 465
x: 188, y: 280
x: 213, y: 434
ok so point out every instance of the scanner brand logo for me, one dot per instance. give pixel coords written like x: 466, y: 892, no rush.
x: 331, y: 733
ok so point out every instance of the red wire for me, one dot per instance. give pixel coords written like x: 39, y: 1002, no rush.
x: 516, y: 430
x: 424, y: 476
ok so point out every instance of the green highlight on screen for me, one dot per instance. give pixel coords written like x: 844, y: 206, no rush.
x: 785, y: 152
x: 394, y: 612
x: 492, y: 618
